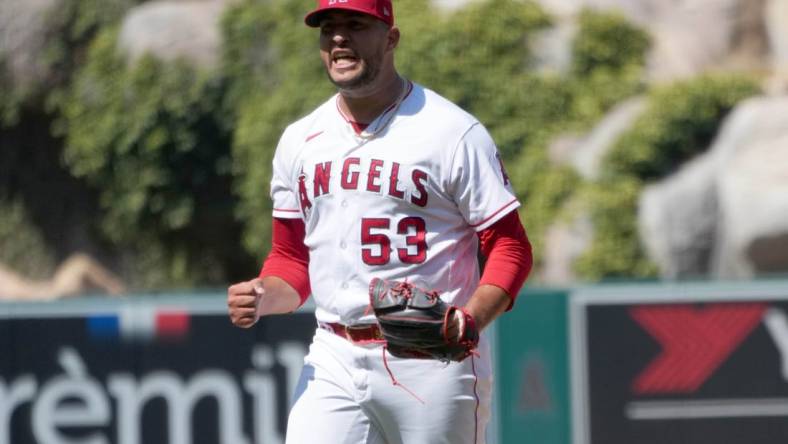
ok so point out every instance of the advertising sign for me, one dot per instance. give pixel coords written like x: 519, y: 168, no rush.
x: 680, y: 364
x: 532, y: 370
x: 146, y: 371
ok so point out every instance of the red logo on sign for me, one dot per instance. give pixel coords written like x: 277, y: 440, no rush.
x: 695, y: 342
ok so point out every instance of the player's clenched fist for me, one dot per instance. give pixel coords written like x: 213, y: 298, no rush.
x: 243, y: 302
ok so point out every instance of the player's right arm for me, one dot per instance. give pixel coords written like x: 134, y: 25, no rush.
x: 283, y: 284
x: 248, y: 301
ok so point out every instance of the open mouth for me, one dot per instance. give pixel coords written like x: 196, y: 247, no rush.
x: 343, y: 59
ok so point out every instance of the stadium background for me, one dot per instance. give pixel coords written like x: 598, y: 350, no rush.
x: 647, y: 140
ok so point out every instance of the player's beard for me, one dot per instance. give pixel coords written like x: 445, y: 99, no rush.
x: 369, y: 72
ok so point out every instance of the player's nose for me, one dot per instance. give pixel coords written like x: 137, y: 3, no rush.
x: 340, y: 38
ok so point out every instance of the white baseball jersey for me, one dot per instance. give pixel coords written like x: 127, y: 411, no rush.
x: 404, y: 200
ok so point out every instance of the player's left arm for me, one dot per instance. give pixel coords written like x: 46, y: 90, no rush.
x: 487, y: 303
x: 509, y: 260
x: 485, y: 197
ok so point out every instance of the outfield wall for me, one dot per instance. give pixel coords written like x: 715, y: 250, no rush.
x: 618, y: 364
x: 695, y: 363
x: 683, y: 363
x: 146, y: 370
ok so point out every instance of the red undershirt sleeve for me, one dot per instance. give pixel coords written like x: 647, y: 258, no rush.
x: 508, y: 253
x: 289, y: 257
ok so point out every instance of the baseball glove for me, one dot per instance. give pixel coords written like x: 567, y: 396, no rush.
x: 415, y: 322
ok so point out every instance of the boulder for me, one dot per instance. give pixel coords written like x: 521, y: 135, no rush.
x: 750, y: 43
x: 691, y: 37
x: 23, y: 34
x: 172, y: 30
x: 725, y: 213
x: 753, y: 193
x: 677, y: 219
x: 776, y: 18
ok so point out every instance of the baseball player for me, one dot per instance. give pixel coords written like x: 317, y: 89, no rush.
x: 383, y: 196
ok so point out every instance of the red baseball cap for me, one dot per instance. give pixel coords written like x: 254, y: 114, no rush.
x: 380, y: 9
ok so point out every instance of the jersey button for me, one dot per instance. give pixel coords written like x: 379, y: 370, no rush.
x: 344, y: 285
x: 344, y: 203
x: 343, y: 244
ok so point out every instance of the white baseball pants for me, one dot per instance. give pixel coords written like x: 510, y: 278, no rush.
x: 346, y: 396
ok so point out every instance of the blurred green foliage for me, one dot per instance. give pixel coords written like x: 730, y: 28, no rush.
x: 180, y: 157
x: 615, y: 251
x: 67, y: 28
x: 608, y: 58
x: 21, y: 243
x: 681, y: 121
x: 607, y: 41
x: 492, y: 79
x: 12, y: 95
x: 150, y: 137
x: 272, y: 63
x: 144, y: 136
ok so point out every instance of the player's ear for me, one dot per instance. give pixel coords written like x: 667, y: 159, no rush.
x: 393, y: 38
